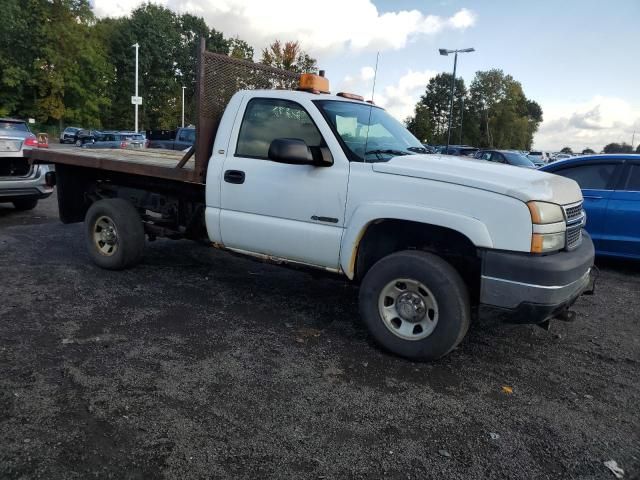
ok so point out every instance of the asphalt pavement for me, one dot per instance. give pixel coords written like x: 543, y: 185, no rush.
x: 200, y: 364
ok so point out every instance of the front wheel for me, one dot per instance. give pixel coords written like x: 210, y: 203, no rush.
x: 415, y: 305
x: 114, y: 234
x: 78, y: 143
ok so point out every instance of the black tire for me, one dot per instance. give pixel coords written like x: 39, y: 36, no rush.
x: 447, y: 288
x: 129, y: 242
x: 25, y: 204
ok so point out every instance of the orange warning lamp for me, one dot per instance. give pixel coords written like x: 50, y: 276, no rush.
x: 310, y: 82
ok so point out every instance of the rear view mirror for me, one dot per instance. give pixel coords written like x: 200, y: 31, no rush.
x: 290, y: 150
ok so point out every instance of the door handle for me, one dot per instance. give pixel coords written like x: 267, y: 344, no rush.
x: 234, y: 176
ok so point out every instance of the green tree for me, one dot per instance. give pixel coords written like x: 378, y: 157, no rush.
x: 420, y: 124
x: 431, y: 114
x: 617, y: 148
x: 288, y: 56
x: 587, y: 151
x: 240, y: 49
x: 566, y: 150
x: 54, y: 70
x: 503, y: 116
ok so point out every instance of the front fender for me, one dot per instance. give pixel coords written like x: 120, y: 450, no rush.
x: 364, y: 215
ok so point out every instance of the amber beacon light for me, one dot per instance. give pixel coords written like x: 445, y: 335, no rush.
x: 310, y: 82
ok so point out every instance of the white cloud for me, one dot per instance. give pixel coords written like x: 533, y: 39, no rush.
x: 463, y: 19
x: 592, y: 124
x: 337, y: 24
x: 400, y: 99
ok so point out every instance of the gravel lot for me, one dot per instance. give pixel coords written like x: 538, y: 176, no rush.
x: 198, y: 364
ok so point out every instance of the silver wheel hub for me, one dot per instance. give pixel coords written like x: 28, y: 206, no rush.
x: 105, y: 236
x: 411, y: 307
x: 408, y: 309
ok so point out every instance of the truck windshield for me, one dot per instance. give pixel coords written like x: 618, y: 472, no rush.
x: 369, y: 133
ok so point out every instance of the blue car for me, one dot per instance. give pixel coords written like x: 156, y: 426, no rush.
x: 611, y: 189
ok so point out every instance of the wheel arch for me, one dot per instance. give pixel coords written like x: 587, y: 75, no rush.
x: 366, y: 220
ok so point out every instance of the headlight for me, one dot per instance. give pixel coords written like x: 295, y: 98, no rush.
x: 547, y: 242
x: 549, y: 227
x: 543, y: 212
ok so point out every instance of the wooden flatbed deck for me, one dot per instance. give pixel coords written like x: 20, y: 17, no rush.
x: 149, y: 162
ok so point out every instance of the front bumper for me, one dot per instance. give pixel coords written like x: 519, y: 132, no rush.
x: 32, y: 185
x: 531, y: 288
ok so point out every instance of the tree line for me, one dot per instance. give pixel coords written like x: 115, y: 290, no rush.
x: 61, y: 65
x: 608, y: 148
x: 493, y: 112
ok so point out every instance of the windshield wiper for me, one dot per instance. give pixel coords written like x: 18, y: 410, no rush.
x: 387, y: 152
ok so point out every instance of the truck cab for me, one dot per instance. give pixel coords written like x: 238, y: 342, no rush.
x: 338, y: 184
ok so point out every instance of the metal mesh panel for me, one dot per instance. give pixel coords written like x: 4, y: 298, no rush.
x: 223, y: 76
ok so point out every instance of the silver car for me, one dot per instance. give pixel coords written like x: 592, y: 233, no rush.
x: 21, y: 183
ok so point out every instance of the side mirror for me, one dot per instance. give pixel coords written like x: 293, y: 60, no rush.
x: 290, y: 150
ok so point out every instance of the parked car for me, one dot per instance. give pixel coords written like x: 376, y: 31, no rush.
x: 562, y: 156
x: 505, y: 156
x: 181, y: 139
x: 21, y: 183
x: 611, y: 190
x: 429, y: 148
x: 538, y: 158
x: 459, y: 150
x: 130, y: 140
x: 86, y: 136
x: 69, y: 135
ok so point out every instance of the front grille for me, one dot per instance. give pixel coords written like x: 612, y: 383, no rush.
x: 574, y: 237
x: 574, y: 215
x: 573, y: 212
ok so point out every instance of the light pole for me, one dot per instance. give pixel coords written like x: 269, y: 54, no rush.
x: 183, y: 106
x: 461, y: 117
x: 445, y: 52
x: 136, y: 46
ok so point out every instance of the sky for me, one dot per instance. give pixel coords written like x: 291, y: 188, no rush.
x: 579, y: 59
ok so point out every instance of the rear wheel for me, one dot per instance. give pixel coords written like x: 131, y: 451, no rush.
x: 114, y: 234
x: 415, y: 305
x: 25, y: 204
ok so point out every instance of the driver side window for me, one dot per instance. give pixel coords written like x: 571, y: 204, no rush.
x: 266, y: 119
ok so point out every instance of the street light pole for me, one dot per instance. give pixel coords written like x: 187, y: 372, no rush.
x: 183, y: 106
x: 453, y: 86
x: 136, y: 46
x: 445, y: 52
x: 461, y: 117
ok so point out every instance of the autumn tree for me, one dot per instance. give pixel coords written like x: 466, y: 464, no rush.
x: 288, y: 56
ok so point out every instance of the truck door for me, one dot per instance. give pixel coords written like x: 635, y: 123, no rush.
x: 623, y: 215
x: 289, y: 211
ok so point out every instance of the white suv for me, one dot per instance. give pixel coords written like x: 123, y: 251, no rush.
x: 21, y: 183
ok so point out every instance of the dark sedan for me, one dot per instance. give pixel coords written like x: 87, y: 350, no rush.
x: 507, y: 157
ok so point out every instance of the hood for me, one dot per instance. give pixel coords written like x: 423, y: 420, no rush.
x: 522, y: 183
